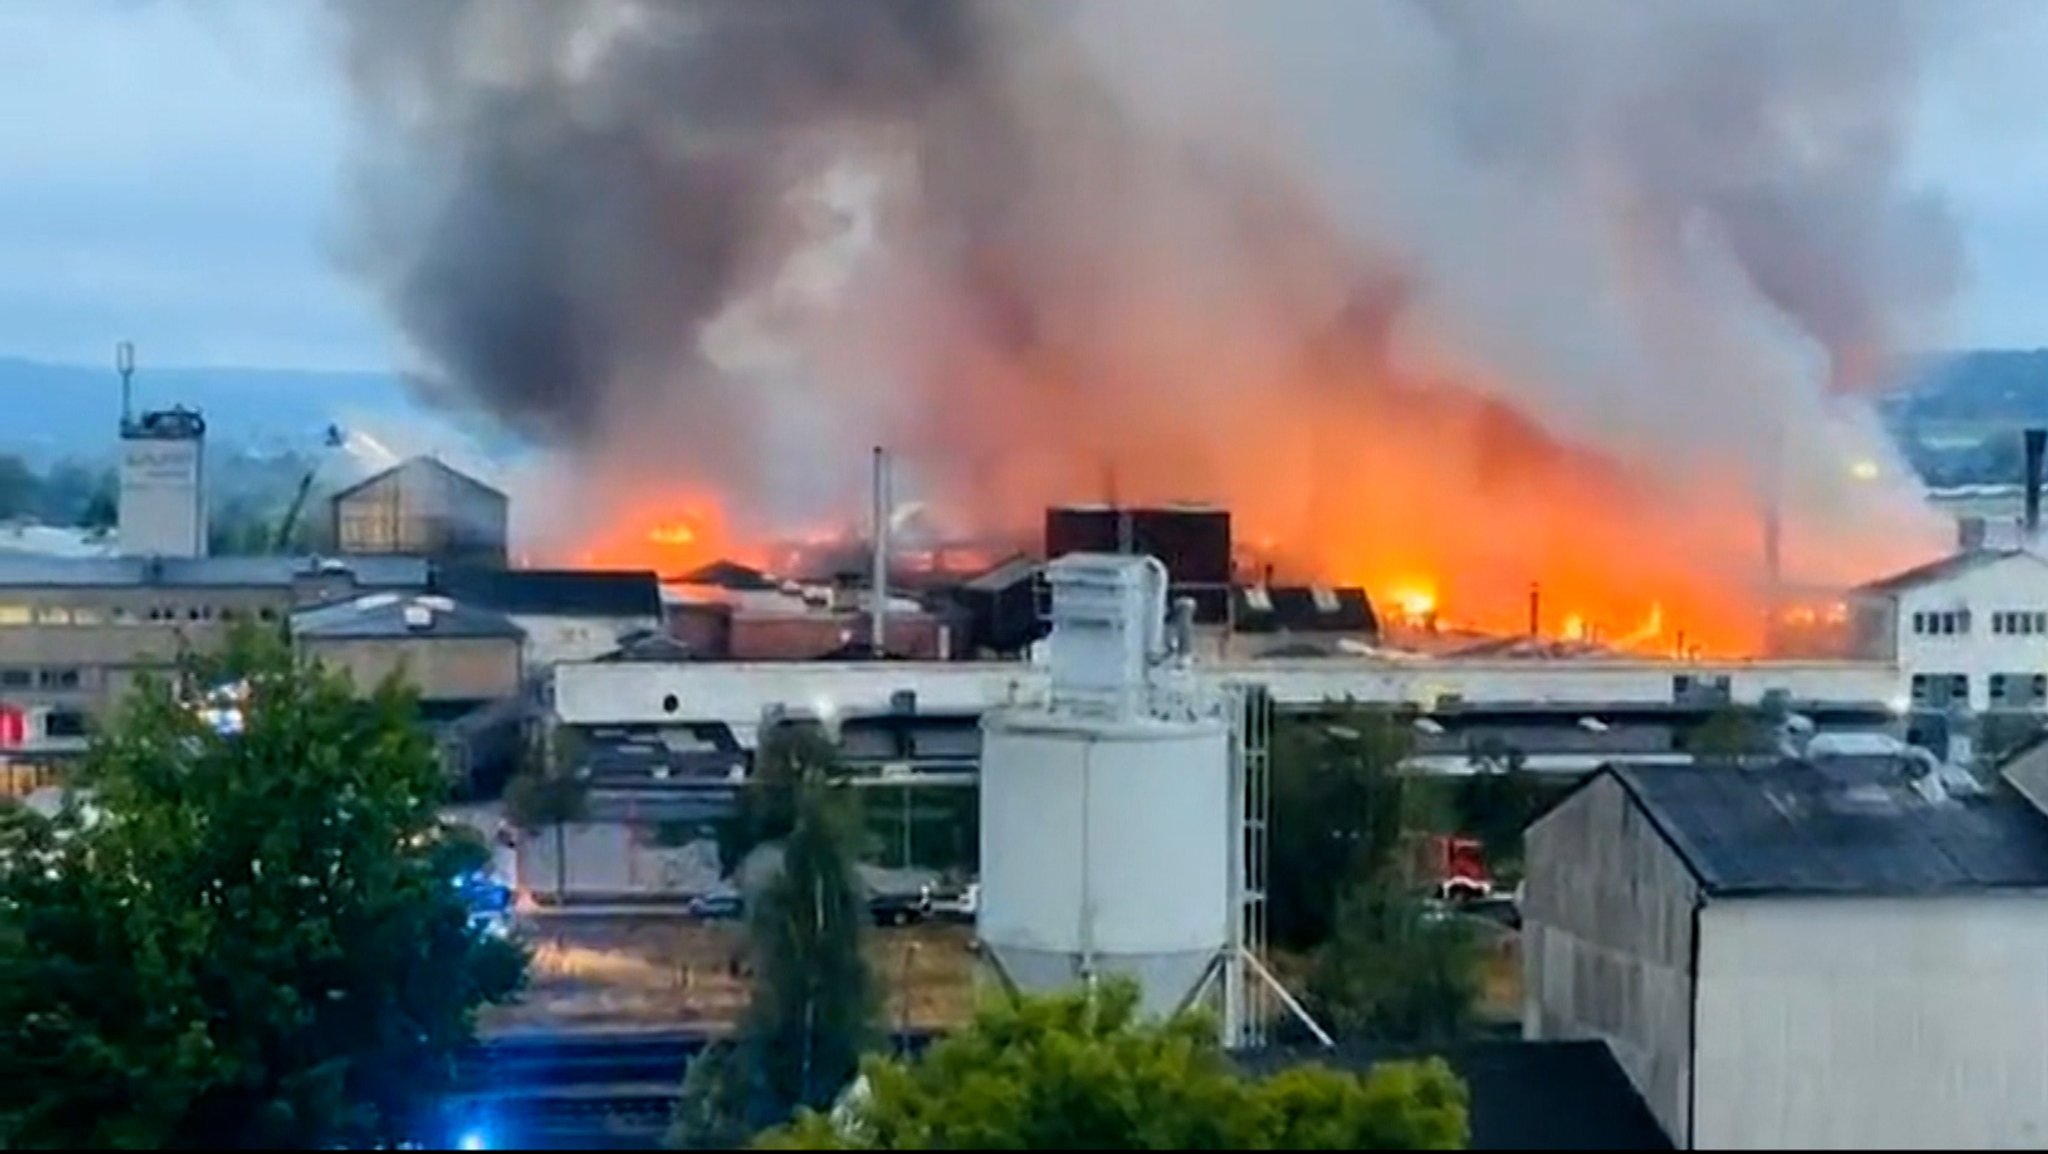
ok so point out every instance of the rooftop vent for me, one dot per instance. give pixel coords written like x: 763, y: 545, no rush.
x: 419, y: 617
x: 436, y: 603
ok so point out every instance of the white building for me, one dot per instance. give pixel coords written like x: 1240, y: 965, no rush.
x: 162, y: 506
x: 1799, y: 957
x: 1971, y: 629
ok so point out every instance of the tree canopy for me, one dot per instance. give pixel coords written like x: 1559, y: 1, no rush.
x: 1082, y: 1071
x: 240, y: 940
x: 813, y: 1005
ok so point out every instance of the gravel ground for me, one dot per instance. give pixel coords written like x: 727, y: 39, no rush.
x: 597, y: 972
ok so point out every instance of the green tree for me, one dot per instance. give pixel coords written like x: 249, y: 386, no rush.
x: 1339, y: 809
x: 248, y: 940
x: 790, y: 753
x: 20, y: 488
x: 1084, y: 1071
x: 1731, y: 732
x: 1397, y: 970
x: 551, y: 794
x: 814, y: 1002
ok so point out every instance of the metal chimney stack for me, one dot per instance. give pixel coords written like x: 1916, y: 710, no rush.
x: 878, y: 586
x: 2036, y: 444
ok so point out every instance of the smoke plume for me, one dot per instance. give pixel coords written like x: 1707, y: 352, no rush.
x: 1425, y: 286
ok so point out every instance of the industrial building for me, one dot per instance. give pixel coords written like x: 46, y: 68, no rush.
x: 74, y: 632
x: 423, y: 507
x: 566, y: 614
x: 1811, y: 954
x: 1970, y: 629
x: 463, y: 662
x: 161, y: 510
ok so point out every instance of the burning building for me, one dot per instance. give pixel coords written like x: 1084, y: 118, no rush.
x: 1440, y: 301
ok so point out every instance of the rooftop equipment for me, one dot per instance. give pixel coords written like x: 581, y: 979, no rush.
x: 1123, y: 816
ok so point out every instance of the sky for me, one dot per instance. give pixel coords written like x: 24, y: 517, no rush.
x: 171, y: 174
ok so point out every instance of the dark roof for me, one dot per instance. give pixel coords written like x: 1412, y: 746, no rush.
x: 1797, y: 827
x: 411, y: 464
x: 1524, y: 1095
x: 20, y: 571
x: 1302, y: 609
x: 1005, y: 575
x: 554, y: 592
x: 390, y: 615
x: 648, y: 645
x: 1953, y: 565
x: 728, y: 575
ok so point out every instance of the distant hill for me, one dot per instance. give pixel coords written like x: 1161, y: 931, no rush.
x: 1987, y: 386
x: 70, y: 410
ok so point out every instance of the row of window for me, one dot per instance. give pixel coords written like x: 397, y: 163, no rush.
x: 124, y: 615
x: 59, y: 678
x: 2015, y: 624
x: 1942, y: 623
x: 2004, y: 623
x: 2008, y: 689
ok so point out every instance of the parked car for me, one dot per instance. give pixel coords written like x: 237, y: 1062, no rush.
x: 717, y: 905
x: 901, y: 909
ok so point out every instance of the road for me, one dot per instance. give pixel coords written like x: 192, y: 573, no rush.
x: 575, y: 1091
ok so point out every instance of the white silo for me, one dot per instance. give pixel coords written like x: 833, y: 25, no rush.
x: 1113, y: 812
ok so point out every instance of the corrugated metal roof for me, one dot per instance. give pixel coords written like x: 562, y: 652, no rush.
x: 1941, y: 569
x: 26, y: 572
x: 390, y: 615
x: 1795, y: 827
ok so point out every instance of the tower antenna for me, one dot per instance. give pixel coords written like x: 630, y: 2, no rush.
x: 124, y: 363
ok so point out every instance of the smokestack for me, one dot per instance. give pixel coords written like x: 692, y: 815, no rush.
x: 2036, y: 443
x: 878, y: 585
x: 1535, y: 610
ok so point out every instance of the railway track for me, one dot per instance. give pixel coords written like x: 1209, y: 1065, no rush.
x: 612, y: 1091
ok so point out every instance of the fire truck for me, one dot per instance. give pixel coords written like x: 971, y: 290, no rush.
x: 1451, y: 866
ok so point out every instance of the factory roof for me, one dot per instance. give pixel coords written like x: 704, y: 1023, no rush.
x: 1551, y: 1095
x: 382, y: 615
x: 554, y: 592
x: 1004, y: 575
x: 1799, y: 827
x: 31, y: 572
x: 1942, y: 569
x: 414, y: 464
x: 1302, y: 609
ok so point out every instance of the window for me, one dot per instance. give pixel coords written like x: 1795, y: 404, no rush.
x: 64, y: 723
x: 15, y: 615
x: 17, y: 678
x: 85, y: 616
x: 1939, y: 690
x: 2013, y: 623
x: 1942, y: 623
x: 64, y: 678
x: 2019, y: 690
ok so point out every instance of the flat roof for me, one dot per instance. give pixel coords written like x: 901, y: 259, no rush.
x: 32, y: 572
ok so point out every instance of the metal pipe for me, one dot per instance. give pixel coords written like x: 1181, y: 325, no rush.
x: 2036, y: 446
x: 878, y: 583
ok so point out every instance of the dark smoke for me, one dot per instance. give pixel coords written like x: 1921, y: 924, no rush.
x: 1140, y: 237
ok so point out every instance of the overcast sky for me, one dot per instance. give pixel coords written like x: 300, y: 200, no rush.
x: 169, y: 171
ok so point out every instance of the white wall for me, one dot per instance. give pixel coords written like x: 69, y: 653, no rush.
x: 552, y: 640
x: 737, y: 692
x: 2018, y: 583
x: 1873, y: 1024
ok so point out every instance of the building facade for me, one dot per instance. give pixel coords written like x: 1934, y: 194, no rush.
x: 423, y: 508
x: 75, y: 633
x: 1799, y: 957
x: 565, y: 614
x: 161, y: 510
x: 1970, y: 630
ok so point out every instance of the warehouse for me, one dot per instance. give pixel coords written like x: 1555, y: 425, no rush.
x: 566, y: 614
x: 423, y: 507
x: 1970, y: 629
x: 1811, y: 955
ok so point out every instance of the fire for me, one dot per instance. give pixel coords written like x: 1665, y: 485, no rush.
x: 675, y: 533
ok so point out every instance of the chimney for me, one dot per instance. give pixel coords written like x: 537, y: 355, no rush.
x: 878, y: 586
x: 1535, y: 610
x: 2036, y: 443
